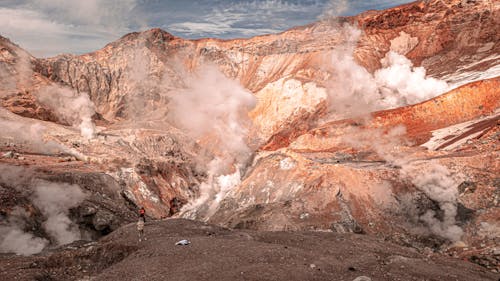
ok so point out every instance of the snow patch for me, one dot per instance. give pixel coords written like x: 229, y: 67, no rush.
x: 443, y: 135
x: 465, y: 75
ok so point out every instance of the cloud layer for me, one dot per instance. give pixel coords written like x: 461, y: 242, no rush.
x: 50, y: 27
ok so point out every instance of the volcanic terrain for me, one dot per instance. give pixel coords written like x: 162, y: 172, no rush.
x: 354, y: 146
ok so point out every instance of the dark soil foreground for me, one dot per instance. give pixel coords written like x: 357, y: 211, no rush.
x: 221, y: 254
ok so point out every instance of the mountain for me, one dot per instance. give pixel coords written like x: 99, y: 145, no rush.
x: 384, y: 123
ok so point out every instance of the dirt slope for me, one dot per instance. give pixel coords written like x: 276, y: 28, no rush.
x: 221, y: 254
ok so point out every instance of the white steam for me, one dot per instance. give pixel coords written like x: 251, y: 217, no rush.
x: 212, y: 191
x: 216, y: 107
x: 17, y: 241
x: 214, y: 111
x: 29, y: 135
x: 401, y: 84
x: 15, y: 72
x: 438, y: 184
x: 74, y: 108
x: 54, y: 200
x: 13, y: 239
x: 433, y: 179
x: 354, y: 91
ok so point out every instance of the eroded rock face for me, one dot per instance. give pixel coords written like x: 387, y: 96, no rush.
x: 447, y: 37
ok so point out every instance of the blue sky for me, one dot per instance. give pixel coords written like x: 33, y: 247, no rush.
x: 50, y: 27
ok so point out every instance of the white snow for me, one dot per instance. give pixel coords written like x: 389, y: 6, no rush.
x: 439, y: 135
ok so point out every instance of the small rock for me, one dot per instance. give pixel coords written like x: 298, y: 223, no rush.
x: 362, y: 278
x: 304, y: 216
x: 8, y: 154
x: 312, y: 265
x: 459, y: 244
x: 495, y: 251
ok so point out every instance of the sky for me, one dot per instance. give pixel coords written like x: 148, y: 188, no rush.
x: 49, y: 27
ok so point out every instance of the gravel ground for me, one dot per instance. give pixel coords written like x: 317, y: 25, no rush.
x: 216, y: 253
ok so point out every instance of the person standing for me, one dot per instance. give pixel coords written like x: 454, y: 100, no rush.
x: 140, y: 223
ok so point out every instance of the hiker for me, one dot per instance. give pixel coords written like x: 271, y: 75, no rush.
x: 141, y: 222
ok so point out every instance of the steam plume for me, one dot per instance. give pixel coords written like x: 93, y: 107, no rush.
x: 433, y: 179
x: 54, y: 200
x: 13, y: 239
x: 30, y: 135
x: 72, y: 107
x: 437, y: 183
x: 355, y: 91
x: 214, y: 111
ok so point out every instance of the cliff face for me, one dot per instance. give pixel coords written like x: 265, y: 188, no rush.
x: 335, y: 140
x: 429, y: 33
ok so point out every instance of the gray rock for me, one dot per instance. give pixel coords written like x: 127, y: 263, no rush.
x: 103, y: 219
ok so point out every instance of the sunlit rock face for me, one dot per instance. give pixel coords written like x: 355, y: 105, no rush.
x: 384, y: 123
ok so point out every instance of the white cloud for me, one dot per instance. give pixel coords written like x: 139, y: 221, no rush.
x: 49, y: 27
x: 249, y: 18
x: 215, y: 29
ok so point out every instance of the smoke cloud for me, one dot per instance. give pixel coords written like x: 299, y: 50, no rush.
x: 52, y: 199
x: 401, y: 83
x: 71, y: 107
x: 213, y: 110
x: 355, y: 91
x: 13, y: 239
x: 15, y: 72
x: 438, y: 184
x: 30, y: 136
x: 431, y: 178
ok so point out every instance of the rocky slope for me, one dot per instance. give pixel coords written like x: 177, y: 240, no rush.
x: 462, y: 34
x: 331, y: 126
x: 241, y: 255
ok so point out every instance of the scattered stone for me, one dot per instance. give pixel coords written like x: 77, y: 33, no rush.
x: 8, y: 154
x: 467, y: 187
x: 362, y: 278
x: 183, y: 242
x: 11, y: 154
x: 304, y: 216
x: 459, y: 244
